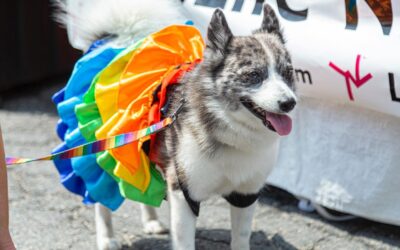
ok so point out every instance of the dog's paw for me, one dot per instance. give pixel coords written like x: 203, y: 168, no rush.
x: 108, y: 244
x: 154, y: 227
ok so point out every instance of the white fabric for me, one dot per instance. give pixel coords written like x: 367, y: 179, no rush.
x: 344, y: 158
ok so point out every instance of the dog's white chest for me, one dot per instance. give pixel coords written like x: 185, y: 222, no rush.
x: 229, y: 170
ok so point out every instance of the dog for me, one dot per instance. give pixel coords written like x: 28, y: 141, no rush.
x: 235, y: 107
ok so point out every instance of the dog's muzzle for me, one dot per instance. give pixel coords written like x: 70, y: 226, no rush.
x: 280, y: 123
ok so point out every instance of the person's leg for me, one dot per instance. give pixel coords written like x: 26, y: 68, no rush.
x: 6, y: 242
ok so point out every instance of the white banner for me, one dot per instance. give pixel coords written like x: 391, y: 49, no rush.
x: 345, y: 51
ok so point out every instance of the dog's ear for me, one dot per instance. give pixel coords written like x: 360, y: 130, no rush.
x: 270, y: 23
x: 219, y: 33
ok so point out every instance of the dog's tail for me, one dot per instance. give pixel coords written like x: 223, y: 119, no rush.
x: 89, y: 20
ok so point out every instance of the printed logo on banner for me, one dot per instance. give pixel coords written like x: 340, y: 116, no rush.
x: 358, y: 82
x: 350, y: 78
x: 284, y: 9
x: 382, y: 9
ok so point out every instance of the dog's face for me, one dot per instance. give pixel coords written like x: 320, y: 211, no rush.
x: 252, y: 75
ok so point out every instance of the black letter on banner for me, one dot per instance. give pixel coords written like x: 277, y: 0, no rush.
x: 381, y: 8
x: 392, y: 89
x: 289, y: 14
x: 303, y: 74
x: 258, y: 7
x: 211, y: 3
x: 238, y: 5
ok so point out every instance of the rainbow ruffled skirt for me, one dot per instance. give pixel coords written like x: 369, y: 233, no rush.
x: 111, y: 92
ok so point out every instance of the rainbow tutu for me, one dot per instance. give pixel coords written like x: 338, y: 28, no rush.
x: 118, y: 90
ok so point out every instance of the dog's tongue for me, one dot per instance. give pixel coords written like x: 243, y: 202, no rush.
x: 281, y: 123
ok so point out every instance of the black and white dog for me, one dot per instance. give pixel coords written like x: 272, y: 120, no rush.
x: 226, y: 138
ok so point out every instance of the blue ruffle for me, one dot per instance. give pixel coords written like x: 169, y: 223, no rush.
x: 83, y: 176
x: 69, y: 179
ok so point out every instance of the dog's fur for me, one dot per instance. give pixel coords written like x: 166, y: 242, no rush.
x: 217, y: 146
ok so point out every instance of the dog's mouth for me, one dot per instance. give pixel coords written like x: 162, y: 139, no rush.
x: 279, y: 123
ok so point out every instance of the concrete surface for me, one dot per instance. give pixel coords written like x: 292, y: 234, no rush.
x: 45, y: 216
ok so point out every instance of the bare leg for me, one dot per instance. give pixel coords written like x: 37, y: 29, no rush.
x: 104, y: 229
x: 151, y: 224
x: 241, y: 221
x: 6, y: 242
x: 183, y: 222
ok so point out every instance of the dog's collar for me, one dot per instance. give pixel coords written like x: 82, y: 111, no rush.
x: 178, y: 109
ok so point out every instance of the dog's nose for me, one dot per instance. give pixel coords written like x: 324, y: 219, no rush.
x: 287, y: 105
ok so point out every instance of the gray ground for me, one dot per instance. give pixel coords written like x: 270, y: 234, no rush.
x: 45, y: 216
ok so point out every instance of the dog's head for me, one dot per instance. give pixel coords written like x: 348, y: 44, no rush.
x: 252, y: 76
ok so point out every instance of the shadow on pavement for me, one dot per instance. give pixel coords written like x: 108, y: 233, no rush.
x: 216, y: 239
x: 286, y: 202
x: 32, y: 98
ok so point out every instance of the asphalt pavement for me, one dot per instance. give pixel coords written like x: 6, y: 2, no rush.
x: 45, y: 216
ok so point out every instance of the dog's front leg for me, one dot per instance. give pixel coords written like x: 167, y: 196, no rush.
x: 104, y: 229
x: 183, y: 221
x: 241, y: 221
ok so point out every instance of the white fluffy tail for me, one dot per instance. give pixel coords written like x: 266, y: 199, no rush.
x: 89, y: 20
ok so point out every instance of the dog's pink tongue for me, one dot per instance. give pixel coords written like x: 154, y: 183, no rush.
x: 281, y: 123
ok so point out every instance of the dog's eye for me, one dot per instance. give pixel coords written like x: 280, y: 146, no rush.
x: 253, y: 78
